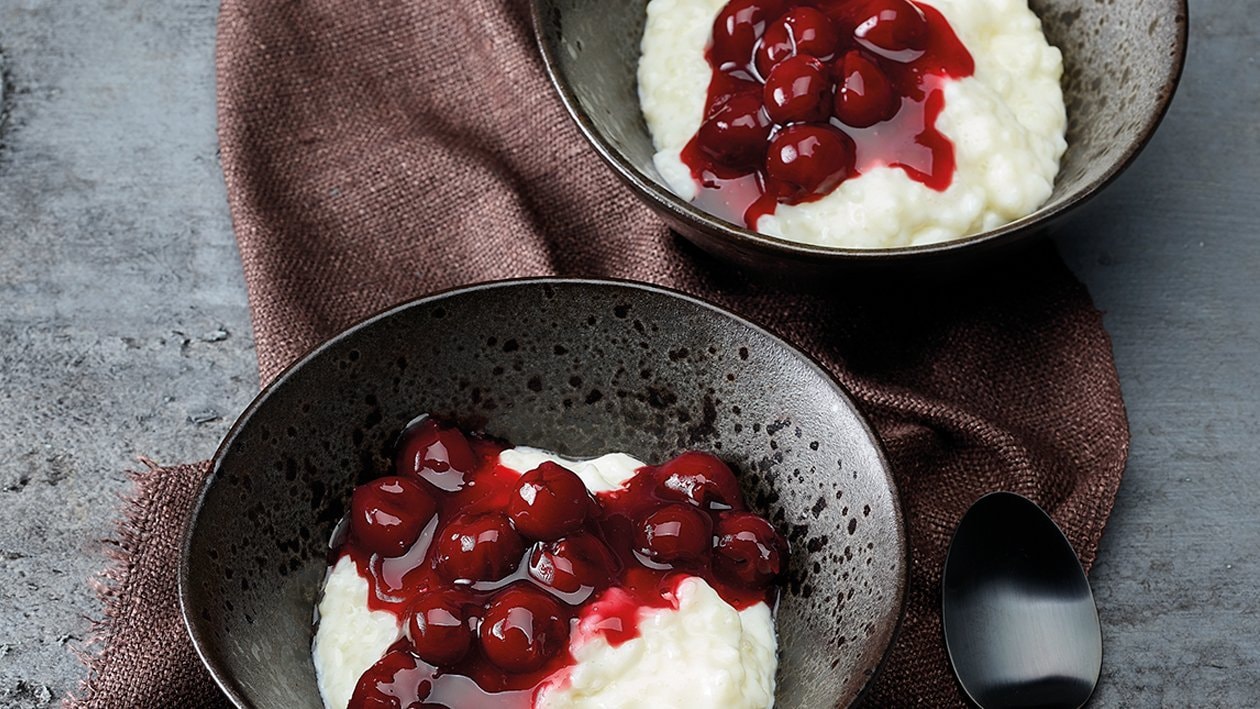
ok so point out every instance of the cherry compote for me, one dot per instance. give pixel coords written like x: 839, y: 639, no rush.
x: 806, y: 95
x: 523, y: 628
x: 573, y: 567
x: 675, y: 534
x: 399, y: 680
x: 798, y: 90
x: 864, y: 95
x: 550, y: 502
x: 489, y: 570
x: 801, y: 31
x: 438, y: 628
x: 701, y: 479
x: 388, y: 514
x: 478, y: 547
x: 748, y: 551
x: 435, y: 452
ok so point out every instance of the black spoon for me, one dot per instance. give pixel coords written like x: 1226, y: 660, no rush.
x: 1021, y: 627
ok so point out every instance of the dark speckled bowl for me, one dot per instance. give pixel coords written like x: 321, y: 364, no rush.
x: 579, y: 367
x: 1122, y: 61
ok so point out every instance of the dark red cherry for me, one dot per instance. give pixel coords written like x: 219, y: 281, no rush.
x: 674, y: 534
x: 435, y: 452
x: 523, y: 628
x: 776, y: 46
x: 798, y: 90
x: 388, y: 514
x: 864, y: 95
x: 748, y: 550
x: 397, y: 681
x: 701, y: 479
x: 891, y: 28
x: 550, y: 501
x: 573, y: 563
x: 813, y: 32
x: 478, y: 548
x: 803, y: 30
x: 438, y: 629
x: 810, y: 159
x: 737, y: 28
x: 734, y: 135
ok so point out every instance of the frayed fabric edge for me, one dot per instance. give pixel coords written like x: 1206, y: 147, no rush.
x: 112, y: 585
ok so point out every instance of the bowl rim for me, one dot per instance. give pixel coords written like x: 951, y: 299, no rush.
x: 662, y: 198
x: 223, y: 679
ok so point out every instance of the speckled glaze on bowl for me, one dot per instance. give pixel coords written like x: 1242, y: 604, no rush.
x: 579, y: 367
x: 1122, y: 61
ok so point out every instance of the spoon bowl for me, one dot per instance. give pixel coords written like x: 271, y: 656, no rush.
x: 1021, y: 627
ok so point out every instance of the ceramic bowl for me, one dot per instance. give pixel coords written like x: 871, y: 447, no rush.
x: 578, y: 367
x: 1121, y: 66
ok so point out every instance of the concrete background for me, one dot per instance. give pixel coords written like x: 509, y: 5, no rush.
x: 124, y: 332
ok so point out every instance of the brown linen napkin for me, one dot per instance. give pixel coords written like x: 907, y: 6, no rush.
x: 380, y: 150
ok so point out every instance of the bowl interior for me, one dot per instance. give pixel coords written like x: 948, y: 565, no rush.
x: 580, y: 368
x: 1121, y: 65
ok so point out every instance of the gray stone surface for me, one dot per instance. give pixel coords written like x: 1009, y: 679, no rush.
x: 124, y: 332
x: 123, y: 325
x: 1171, y: 253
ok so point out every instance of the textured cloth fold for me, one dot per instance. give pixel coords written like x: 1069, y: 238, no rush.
x: 384, y: 150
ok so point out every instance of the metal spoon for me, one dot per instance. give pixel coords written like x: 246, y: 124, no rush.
x: 1021, y: 627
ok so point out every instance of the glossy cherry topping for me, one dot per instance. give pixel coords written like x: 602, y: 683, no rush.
x: 802, y: 31
x: 399, y: 680
x: 675, y: 534
x: 523, y: 628
x: 435, y: 452
x: 808, y: 160
x: 482, y: 547
x: 489, y: 570
x: 805, y: 95
x: 701, y: 479
x: 738, y: 27
x: 798, y: 90
x: 438, y: 628
x: 550, y: 502
x: 573, y: 567
x: 735, y: 131
x: 864, y: 95
x: 748, y: 549
x: 388, y: 514
x: 895, y: 29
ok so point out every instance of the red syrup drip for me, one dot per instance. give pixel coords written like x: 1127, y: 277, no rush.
x: 741, y: 188
x: 615, y: 576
